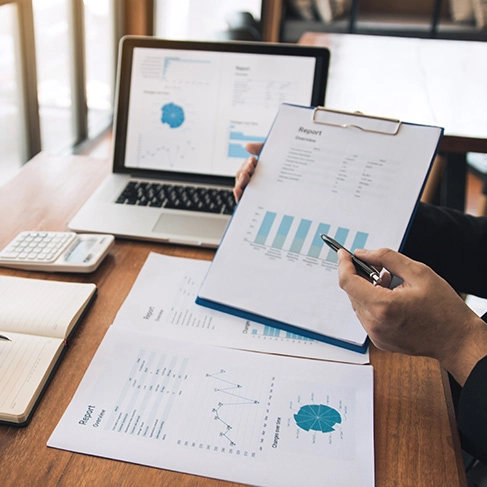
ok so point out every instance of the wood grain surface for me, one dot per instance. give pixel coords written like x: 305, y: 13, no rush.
x: 416, y: 443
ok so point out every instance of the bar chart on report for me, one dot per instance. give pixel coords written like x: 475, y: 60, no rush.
x: 300, y: 236
x: 266, y: 332
x: 239, y: 137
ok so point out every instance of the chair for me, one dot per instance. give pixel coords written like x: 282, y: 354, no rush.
x: 241, y: 27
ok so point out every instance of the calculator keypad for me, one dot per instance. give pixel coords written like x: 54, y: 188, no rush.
x: 37, y: 246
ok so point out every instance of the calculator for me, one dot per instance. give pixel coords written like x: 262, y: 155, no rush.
x: 56, y: 251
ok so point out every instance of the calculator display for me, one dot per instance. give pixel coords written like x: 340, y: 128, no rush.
x: 80, y: 252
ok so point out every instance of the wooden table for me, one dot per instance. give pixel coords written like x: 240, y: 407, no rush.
x: 416, y: 441
x: 429, y: 81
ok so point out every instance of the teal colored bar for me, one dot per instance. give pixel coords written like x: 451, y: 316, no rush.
x: 340, y: 236
x: 297, y: 337
x: 359, y: 241
x: 270, y: 331
x: 300, y: 237
x: 282, y: 231
x: 265, y: 227
x: 317, y: 244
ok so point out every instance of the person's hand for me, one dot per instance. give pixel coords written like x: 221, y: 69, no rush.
x: 244, y: 174
x: 421, y: 316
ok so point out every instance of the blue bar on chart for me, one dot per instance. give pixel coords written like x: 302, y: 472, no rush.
x: 236, y: 146
x: 340, y: 236
x: 282, y: 231
x: 293, y: 336
x: 270, y: 331
x: 265, y: 227
x: 300, y: 237
x: 238, y: 151
x: 168, y: 61
x: 317, y: 243
x: 359, y: 241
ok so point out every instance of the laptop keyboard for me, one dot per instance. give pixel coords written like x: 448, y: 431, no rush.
x: 178, y: 197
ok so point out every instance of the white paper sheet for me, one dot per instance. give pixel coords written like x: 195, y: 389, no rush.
x: 161, y: 302
x: 259, y: 419
x: 358, y: 186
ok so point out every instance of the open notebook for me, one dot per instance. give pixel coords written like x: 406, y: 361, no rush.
x: 184, y: 112
x: 36, y: 318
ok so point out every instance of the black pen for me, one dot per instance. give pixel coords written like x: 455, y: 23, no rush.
x: 371, y: 272
x: 2, y: 337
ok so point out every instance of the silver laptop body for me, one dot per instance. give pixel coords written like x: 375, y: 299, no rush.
x: 184, y: 112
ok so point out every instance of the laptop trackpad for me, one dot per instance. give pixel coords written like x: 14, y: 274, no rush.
x: 189, y: 225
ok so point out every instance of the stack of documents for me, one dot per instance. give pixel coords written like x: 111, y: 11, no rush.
x: 162, y: 303
x: 254, y: 418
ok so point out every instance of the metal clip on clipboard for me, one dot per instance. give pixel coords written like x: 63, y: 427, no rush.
x: 377, y: 122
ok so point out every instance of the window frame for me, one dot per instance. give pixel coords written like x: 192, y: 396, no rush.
x: 26, y: 72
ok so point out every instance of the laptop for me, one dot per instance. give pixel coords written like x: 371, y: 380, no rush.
x: 184, y: 111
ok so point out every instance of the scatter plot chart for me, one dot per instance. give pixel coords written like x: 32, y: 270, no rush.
x: 317, y: 417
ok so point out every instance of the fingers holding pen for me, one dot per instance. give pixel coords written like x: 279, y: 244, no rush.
x: 373, y: 304
x: 396, y: 264
x: 421, y: 316
x: 362, y: 292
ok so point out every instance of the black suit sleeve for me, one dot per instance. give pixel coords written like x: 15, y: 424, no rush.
x: 453, y: 244
x: 472, y: 412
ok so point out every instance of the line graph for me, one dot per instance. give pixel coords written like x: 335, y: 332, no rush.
x: 228, y: 388
x: 229, y: 412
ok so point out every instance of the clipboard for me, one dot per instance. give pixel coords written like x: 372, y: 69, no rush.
x: 355, y: 177
x: 358, y: 120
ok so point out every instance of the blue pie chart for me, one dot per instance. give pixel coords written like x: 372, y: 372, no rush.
x: 172, y: 115
x: 317, y: 417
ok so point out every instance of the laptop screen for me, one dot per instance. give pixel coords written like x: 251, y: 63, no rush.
x: 190, y: 107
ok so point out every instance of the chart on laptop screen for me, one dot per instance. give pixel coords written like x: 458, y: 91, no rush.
x: 194, y: 111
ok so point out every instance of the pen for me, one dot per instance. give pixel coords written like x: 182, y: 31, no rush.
x: 2, y: 337
x: 371, y: 272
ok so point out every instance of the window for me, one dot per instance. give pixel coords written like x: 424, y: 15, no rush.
x: 9, y: 96
x: 196, y: 19
x: 57, y: 61
x: 52, y: 45
x: 100, y: 66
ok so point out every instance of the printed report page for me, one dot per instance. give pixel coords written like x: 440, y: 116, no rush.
x: 246, y: 417
x: 357, y: 186
x: 162, y: 303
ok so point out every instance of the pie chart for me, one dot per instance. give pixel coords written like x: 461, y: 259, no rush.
x: 173, y: 115
x: 317, y: 417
